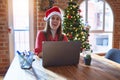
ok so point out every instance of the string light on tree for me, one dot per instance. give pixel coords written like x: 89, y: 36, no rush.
x: 73, y: 25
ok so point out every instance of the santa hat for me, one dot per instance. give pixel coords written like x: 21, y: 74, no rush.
x: 52, y: 11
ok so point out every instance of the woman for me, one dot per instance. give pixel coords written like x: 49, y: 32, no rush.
x: 53, y: 31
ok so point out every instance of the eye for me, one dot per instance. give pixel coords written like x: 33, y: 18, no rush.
x: 57, y: 18
x: 53, y: 18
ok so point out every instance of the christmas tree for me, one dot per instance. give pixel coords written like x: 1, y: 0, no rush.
x: 74, y: 27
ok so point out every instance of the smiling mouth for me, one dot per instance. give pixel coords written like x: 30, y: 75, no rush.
x: 54, y: 24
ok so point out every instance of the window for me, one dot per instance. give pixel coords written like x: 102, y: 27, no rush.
x: 20, y: 20
x: 21, y: 24
x: 98, y: 14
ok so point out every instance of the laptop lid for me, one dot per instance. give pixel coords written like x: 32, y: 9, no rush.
x: 60, y: 53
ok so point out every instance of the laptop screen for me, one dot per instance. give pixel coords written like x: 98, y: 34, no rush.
x: 59, y: 53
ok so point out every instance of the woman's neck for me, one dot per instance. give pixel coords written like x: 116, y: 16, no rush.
x: 53, y: 33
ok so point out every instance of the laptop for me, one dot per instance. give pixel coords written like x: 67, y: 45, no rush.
x: 60, y: 53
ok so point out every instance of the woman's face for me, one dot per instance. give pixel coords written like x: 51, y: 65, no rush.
x: 55, y: 22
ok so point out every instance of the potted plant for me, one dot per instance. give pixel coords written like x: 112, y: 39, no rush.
x: 87, y: 59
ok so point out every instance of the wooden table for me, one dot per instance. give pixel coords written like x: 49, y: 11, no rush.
x: 100, y: 69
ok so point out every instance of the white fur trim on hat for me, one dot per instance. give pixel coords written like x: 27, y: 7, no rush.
x: 51, y: 14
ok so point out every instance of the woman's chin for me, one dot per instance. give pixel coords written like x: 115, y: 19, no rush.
x: 54, y: 28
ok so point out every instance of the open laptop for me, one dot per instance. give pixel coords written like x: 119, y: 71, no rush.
x: 60, y: 53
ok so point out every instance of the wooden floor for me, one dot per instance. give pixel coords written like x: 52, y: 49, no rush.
x: 1, y: 77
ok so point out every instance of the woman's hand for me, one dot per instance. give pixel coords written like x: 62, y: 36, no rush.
x: 39, y: 55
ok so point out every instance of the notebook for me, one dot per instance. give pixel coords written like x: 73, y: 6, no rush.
x: 60, y: 53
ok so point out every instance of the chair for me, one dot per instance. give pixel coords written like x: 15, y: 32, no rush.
x: 113, y: 54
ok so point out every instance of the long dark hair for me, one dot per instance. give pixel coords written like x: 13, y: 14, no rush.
x: 48, y: 32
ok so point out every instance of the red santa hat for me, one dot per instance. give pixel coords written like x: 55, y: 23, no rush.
x: 52, y: 11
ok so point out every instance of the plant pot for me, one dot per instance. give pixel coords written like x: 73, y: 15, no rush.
x: 87, y: 61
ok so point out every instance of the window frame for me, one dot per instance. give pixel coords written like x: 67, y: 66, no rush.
x: 103, y: 28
